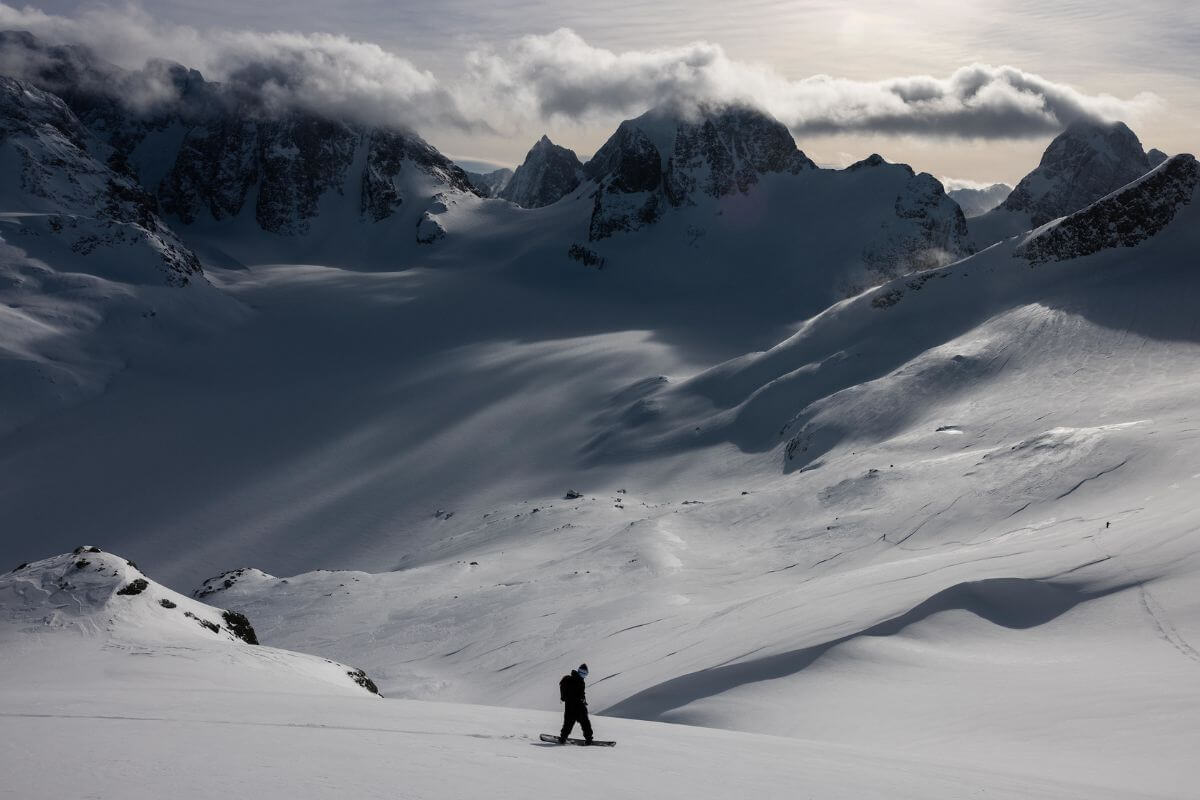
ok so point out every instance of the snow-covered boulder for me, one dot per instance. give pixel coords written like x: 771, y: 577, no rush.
x: 429, y: 228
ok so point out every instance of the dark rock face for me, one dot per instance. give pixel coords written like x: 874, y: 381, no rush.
x: 1082, y: 164
x: 64, y: 174
x: 219, y: 583
x: 873, y: 160
x: 727, y: 152
x: 223, y: 149
x: 716, y: 153
x: 135, y: 586
x: 213, y: 170
x: 203, y: 623
x: 548, y: 174
x: 1122, y: 219
x: 1155, y: 156
x: 360, y: 677
x: 928, y: 229
x: 240, y: 627
x: 294, y: 163
x: 628, y: 162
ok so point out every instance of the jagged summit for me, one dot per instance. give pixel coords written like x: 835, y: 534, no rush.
x: 1082, y: 164
x: 209, y: 152
x: 671, y: 157
x: 1124, y: 218
x: 548, y: 173
x: 874, y: 160
x: 64, y: 201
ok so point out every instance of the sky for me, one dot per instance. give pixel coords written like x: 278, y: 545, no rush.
x: 965, y: 90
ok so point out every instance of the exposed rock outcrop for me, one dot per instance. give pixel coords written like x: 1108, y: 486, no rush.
x: 1124, y: 218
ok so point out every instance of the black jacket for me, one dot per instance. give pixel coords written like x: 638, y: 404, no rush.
x: 571, y: 689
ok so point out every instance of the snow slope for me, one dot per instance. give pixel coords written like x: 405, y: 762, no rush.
x: 106, y: 670
x: 90, y: 617
x: 952, y: 515
x: 220, y: 743
x: 948, y: 519
x: 90, y: 276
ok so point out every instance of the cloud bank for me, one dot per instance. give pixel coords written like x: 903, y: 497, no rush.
x: 559, y: 76
x: 324, y: 73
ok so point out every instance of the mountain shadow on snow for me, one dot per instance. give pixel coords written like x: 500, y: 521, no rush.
x: 1014, y: 603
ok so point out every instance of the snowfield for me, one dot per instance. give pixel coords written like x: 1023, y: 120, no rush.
x: 157, y: 742
x: 824, y: 523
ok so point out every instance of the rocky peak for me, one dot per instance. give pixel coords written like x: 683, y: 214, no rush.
x: 24, y: 109
x: 673, y: 157
x: 548, y: 173
x: 1124, y: 218
x: 205, y: 149
x: 873, y: 160
x: 67, y: 194
x: 1082, y: 164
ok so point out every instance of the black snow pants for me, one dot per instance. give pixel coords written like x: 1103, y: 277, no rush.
x: 576, y: 712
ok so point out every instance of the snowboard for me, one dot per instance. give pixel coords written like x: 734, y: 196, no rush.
x: 552, y: 739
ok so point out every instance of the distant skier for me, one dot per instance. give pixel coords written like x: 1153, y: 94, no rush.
x: 571, y: 693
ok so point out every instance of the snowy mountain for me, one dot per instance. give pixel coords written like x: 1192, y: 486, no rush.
x: 716, y: 199
x: 64, y: 203
x: 668, y: 158
x: 490, y: 184
x: 98, y: 613
x: 1082, y: 164
x: 1125, y: 218
x: 929, y: 491
x: 856, y: 508
x: 547, y: 174
x: 91, y: 276
x: 978, y: 201
x: 218, y: 163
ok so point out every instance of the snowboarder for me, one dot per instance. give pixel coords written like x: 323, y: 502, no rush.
x: 571, y: 693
